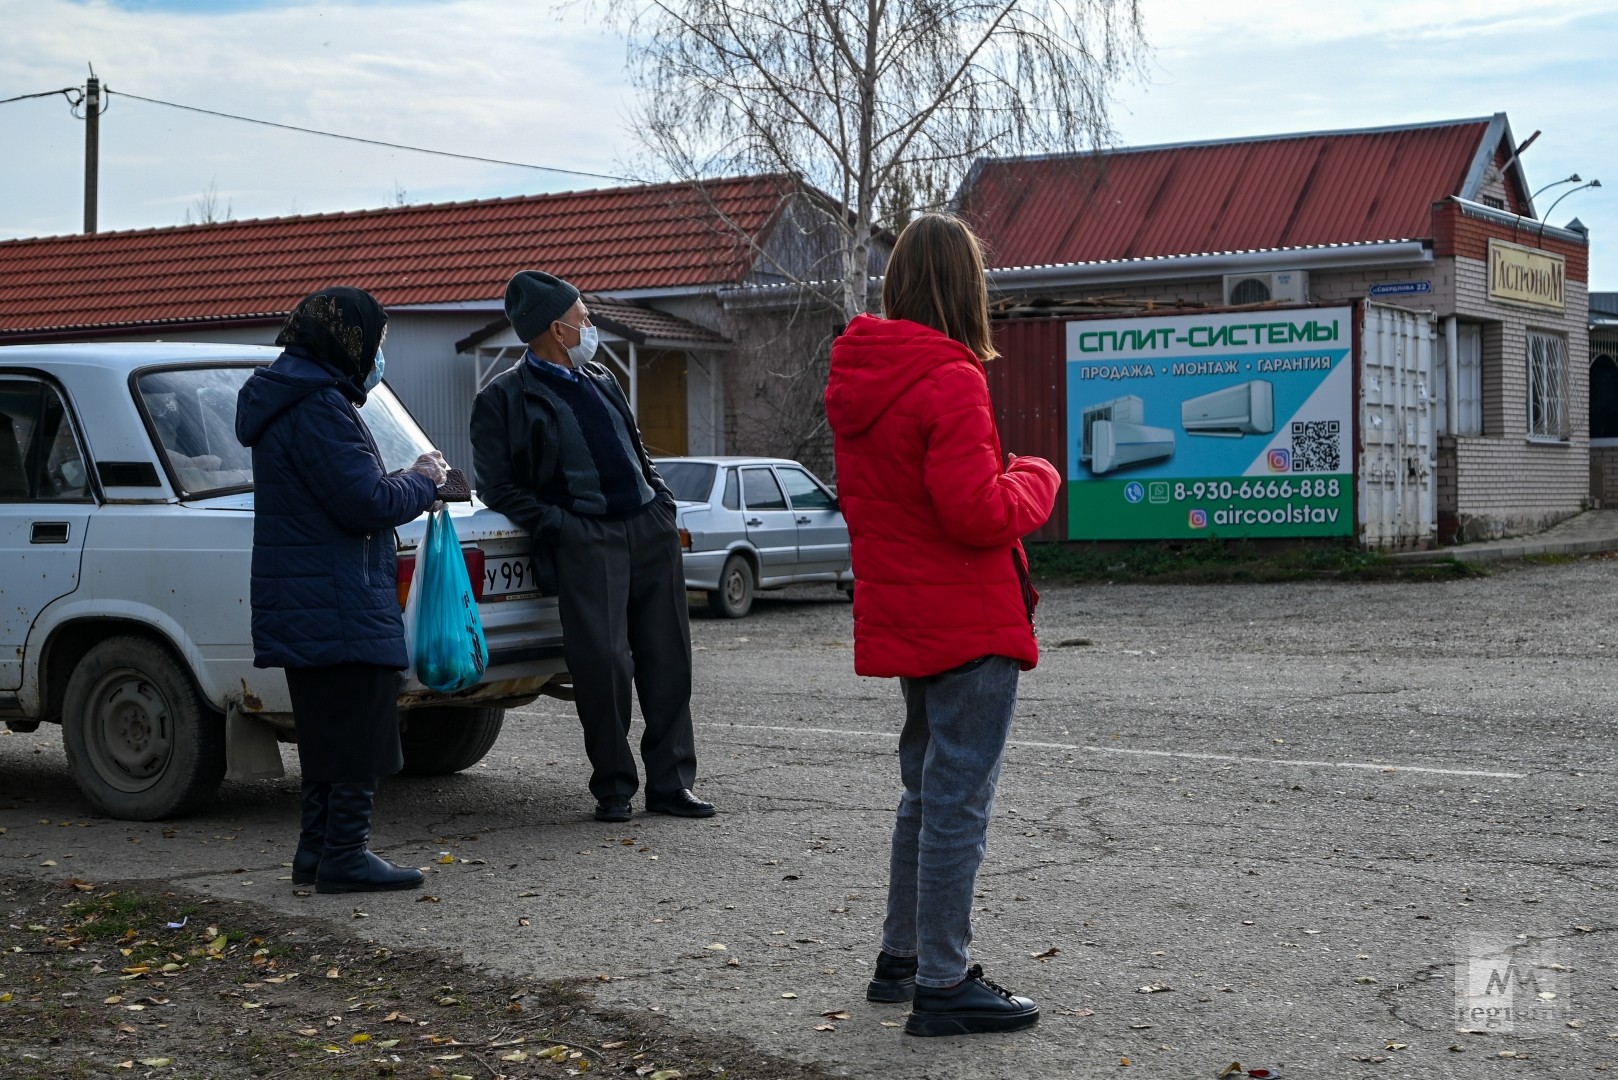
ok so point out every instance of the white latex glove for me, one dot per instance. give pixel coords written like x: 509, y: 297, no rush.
x: 433, y: 466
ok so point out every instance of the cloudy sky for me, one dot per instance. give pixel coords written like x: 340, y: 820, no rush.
x: 517, y: 82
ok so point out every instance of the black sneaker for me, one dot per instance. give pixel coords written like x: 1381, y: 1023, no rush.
x: 971, y: 1006
x: 895, y: 978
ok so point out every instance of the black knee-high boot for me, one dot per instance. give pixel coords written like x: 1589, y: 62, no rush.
x: 311, y: 841
x: 346, y: 864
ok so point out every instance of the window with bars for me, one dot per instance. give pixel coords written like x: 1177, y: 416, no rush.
x: 1547, y: 387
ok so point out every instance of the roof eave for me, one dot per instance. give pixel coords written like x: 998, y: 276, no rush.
x: 1383, y: 254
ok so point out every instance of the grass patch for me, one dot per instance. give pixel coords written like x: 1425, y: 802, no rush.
x: 97, y: 980
x: 1216, y: 561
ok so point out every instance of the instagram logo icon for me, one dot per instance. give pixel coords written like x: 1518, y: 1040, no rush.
x: 1199, y: 519
x: 1280, y: 460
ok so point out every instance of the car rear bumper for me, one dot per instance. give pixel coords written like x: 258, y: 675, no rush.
x: 702, y: 568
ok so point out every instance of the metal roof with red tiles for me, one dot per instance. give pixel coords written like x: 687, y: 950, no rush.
x: 1254, y: 194
x: 666, y: 236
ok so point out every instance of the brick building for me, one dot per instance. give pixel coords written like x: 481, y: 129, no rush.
x: 1436, y: 219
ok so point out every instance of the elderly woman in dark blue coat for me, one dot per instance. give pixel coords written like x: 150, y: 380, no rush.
x: 325, y: 605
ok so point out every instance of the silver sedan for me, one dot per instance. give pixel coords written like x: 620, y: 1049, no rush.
x: 752, y: 523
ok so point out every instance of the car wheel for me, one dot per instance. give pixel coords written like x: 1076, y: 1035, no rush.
x: 734, y: 597
x: 141, y: 741
x: 445, y: 739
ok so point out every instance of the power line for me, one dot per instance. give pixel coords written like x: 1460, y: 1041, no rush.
x: 355, y: 138
x: 68, y: 91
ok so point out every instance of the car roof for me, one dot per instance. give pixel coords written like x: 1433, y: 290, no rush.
x: 730, y: 459
x: 123, y: 357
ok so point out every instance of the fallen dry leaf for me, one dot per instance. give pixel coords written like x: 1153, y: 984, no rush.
x: 825, y: 1027
x: 835, y: 1015
x: 1233, y: 1069
x: 1154, y: 988
x: 1046, y: 955
x: 789, y: 995
x: 890, y: 1023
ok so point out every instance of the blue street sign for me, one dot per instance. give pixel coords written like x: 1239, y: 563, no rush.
x: 1401, y: 288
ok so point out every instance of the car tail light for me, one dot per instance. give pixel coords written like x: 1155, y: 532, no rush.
x: 685, y: 539
x: 402, y: 575
x: 474, y: 570
x: 406, y: 573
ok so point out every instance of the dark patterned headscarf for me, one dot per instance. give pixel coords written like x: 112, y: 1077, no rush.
x: 340, y: 325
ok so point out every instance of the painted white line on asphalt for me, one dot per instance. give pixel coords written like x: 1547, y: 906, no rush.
x: 1182, y: 754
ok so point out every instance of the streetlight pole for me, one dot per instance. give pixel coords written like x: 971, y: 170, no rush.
x: 1574, y: 179
x: 1565, y: 194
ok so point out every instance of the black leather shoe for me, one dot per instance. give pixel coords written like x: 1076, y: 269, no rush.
x: 613, y: 808
x: 312, y: 838
x: 679, y: 803
x: 971, y: 1006
x: 895, y: 978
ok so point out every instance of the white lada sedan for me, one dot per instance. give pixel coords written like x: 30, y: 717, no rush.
x: 752, y: 523
x: 126, y: 535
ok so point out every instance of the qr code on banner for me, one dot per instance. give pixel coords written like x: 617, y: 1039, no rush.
x: 1316, y: 447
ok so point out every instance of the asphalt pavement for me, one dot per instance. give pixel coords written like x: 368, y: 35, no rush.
x: 1319, y: 828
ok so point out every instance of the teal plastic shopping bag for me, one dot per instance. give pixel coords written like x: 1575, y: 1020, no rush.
x: 448, y: 650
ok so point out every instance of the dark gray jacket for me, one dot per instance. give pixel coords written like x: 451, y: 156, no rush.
x: 516, y: 449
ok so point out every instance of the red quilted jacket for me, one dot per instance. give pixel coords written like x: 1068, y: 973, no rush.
x: 934, y: 515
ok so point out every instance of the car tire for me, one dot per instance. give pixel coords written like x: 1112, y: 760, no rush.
x: 142, y: 743
x: 734, y: 597
x: 446, y: 739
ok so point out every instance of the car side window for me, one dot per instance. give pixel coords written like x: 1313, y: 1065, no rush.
x: 804, y: 490
x: 760, y: 491
x: 40, y: 459
x: 733, y: 494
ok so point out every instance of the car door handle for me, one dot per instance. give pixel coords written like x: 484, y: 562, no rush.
x: 803, y: 521
x: 755, y: 521
x: 48, y: 532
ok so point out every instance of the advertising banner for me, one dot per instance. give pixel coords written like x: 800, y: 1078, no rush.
x: 1228, y: 425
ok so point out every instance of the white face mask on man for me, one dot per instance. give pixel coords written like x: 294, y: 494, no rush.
x: 586, y: 348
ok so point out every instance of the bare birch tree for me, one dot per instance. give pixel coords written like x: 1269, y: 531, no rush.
x: 882, y: 104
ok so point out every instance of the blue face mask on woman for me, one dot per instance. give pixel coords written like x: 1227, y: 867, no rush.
x: 375, y: 377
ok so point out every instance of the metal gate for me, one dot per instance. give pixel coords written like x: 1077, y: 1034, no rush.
x: 1397, y: 481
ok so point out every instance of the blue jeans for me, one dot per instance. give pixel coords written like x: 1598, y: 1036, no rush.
x: 954, y: 737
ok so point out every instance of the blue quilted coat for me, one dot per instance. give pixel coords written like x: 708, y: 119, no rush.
x: 324, y: 513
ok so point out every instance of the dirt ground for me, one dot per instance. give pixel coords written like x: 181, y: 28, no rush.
x: 142, y: 979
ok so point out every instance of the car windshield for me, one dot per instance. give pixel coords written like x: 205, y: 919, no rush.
x: 192, y: 414
x: 691, y: 481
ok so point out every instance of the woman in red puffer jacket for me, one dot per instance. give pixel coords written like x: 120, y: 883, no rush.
x: 944, y: 602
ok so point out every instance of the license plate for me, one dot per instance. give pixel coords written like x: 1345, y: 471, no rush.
x: 507, y: 579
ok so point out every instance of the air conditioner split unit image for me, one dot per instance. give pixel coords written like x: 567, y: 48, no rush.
x: 1128, y: 410
x: 1115, y: 444
x: 1245, y: 409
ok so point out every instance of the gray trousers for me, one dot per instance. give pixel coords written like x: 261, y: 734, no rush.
x: 621, y: 593
x: 956, y: 726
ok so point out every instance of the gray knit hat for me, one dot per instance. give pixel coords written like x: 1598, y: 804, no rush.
x: 535, y: 299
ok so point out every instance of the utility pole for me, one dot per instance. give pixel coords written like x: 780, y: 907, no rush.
x: 92, y: 148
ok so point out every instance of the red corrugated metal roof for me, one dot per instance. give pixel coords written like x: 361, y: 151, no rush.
x: 1243, y: 195
x: 657, y: 236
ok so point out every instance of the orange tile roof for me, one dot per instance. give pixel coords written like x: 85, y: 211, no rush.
x: 610, y: 240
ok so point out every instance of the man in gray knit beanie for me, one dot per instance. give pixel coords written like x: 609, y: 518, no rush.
x: 557, y: 451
